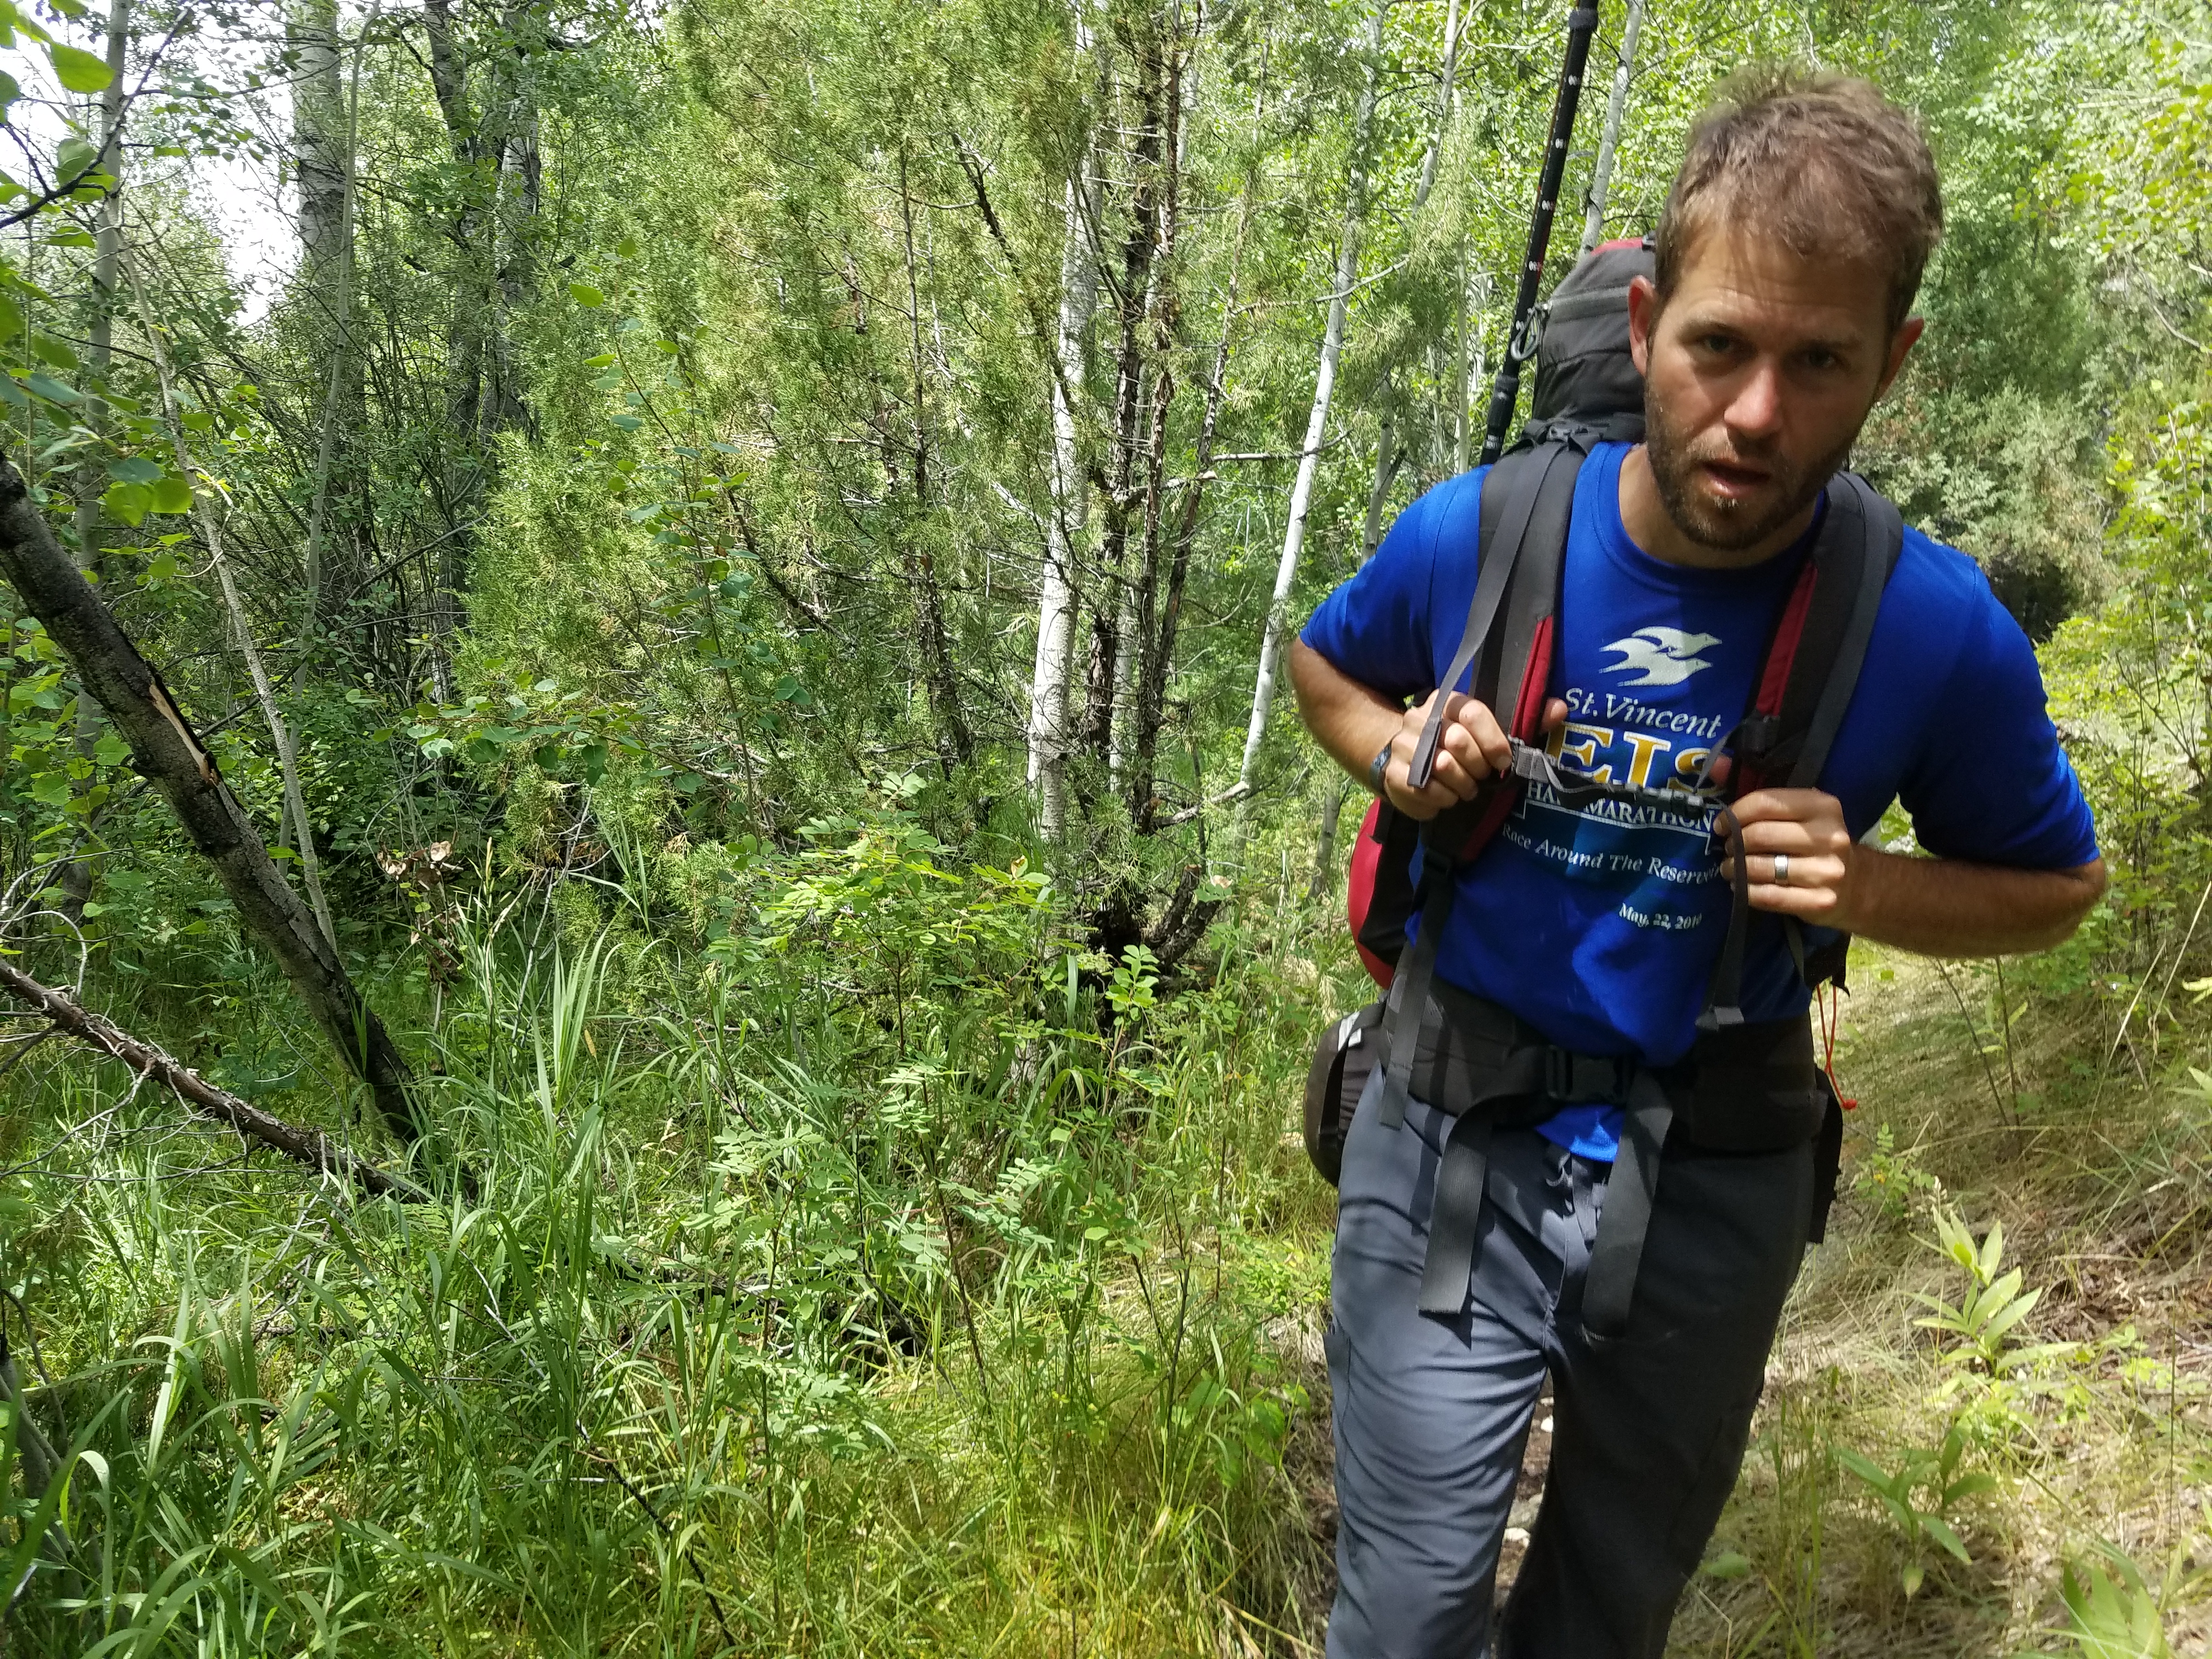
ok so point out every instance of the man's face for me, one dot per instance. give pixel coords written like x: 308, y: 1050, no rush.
x: 1759, y: 373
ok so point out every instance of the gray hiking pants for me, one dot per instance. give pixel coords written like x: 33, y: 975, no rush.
x: 1649, y: 1426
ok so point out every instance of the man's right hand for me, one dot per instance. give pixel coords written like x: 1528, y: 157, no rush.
x: 1471, y: 747
x: 1351, y: 722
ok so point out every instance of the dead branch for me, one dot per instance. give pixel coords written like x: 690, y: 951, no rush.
x: 309, y: 1146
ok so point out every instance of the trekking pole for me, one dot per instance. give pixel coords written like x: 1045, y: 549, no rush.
x: 1521, y: 344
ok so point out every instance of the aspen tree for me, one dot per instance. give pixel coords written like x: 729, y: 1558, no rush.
x: 1332, y: 349
x: 1609, y: 139
x: 1055, y: 633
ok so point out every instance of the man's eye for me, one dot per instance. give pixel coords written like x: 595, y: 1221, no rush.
x: 1821, y: 360
x: 1718, y: 344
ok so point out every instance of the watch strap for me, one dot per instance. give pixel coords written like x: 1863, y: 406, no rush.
x: 1377, y: 766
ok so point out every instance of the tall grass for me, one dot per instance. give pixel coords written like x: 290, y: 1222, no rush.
x: 881, y: 1276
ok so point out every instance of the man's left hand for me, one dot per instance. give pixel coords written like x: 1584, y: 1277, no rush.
x: 1799, y: 855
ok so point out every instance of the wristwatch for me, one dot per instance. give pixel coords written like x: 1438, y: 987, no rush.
x: 1377, y: 766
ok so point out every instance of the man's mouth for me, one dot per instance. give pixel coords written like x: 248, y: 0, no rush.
x: 1733, y: 482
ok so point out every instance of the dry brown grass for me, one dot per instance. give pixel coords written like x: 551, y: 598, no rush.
x: 2099, y: 1180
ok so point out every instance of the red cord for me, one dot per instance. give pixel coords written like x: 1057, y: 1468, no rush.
x: 1830, y: 1008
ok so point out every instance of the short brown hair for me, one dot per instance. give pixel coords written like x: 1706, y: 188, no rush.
x: 1823, y: 161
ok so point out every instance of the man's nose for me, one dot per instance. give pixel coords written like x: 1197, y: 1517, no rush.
x: 1755, y: 412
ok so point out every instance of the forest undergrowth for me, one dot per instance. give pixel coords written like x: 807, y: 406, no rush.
x: 962, y: 1296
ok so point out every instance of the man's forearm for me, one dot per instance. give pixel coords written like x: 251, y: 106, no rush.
x: 1802, y: 862
x: 1349, y: 720
x: 1949, y: 908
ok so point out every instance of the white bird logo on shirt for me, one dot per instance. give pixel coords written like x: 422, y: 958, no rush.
x: 1666, y: 656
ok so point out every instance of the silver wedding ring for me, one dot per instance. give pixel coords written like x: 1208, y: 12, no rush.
x: 1782, y: 869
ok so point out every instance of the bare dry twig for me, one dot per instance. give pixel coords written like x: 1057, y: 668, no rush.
x: 310, y: 1146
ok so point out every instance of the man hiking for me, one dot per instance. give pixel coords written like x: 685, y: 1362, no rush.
x: 1646, y: 1173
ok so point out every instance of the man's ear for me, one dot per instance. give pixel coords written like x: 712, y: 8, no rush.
x: 1900, y: 345
x: 1643, y: 318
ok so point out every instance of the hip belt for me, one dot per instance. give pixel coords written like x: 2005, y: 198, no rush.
x: 1748, y: 1088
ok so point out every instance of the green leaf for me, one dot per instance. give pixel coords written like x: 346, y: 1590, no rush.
x: 585, y: 295
x: 57, y: 352
x: 53, y: 391
x: 135, y: 469
x: 626, y: 423
x: 9, y: 91
x: 73, y: 158
x: 1729, y: 1563
x: 172, y: 494
x: 78, y: 70
x: 1941, y: 1531
x: 1913, y: 1576
x: 111, y: 750
x: 1968, y: 1486
x: 129, y: 502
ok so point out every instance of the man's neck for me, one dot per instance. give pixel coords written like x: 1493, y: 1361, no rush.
x: 1653, y: 529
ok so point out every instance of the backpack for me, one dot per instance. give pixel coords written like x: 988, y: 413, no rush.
x: 1588, y: 391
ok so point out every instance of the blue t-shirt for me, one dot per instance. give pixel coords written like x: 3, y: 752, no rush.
x: 1600, y: 927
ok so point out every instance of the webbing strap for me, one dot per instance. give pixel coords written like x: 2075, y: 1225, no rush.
x: 1455, y: 1218
x: 1497, y: 559
x: 1724, y: 990
x: 1530, y: 479
x: 1409, y: 988
x: 1461, y: 1175
x: 1882, y: 529
x: 1630, y: 1197
x: 1859, y: 541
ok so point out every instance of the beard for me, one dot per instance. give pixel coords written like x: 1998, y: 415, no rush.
x: 1724, y: 526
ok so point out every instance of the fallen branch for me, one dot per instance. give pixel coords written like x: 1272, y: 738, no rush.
x: 310, y: 1146
x: 170, y: 756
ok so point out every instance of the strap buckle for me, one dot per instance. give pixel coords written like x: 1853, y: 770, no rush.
x: 1571, y: 1078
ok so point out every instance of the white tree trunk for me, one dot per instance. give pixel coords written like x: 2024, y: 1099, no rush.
x: 1332, y: 349
x: 1055, y: 636
x: 1387, y: 454
x: 1609, y: 140
x: 1444, y: 111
